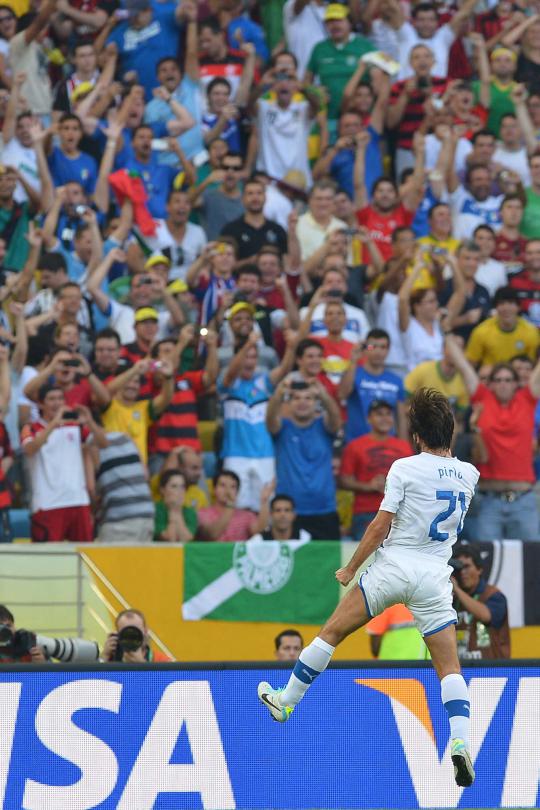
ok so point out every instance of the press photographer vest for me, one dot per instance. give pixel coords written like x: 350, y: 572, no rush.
x: 477, y: 640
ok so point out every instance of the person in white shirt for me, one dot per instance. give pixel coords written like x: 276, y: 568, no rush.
x: 510, y: 152
x: 54, y: 447
x: 333, y: 288
x: 419, y: 315
x: 424, y: 30
x: 491, y: 273
x: 303, y: 21
x: 283, y: 121
x: 18, y: 145
x: 473, y: 203
x: 422, y: 512
x: 176, y: 238
x: 318, y: 221
x: 146, y: 288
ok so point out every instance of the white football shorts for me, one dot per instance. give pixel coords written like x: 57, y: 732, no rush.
x: 414, y: 578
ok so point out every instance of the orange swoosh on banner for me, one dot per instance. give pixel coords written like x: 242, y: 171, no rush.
x: 407, y: 691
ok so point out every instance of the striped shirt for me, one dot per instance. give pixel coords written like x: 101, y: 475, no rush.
x: 121, y: 482
x: 414, y: 112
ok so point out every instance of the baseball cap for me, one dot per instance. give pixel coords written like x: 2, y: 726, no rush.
x: 177, y: 286
x: 336, y: 11
x: 376, y: 404
x: 146, y: 314
x: 157, y: 258
x: 239, y: 307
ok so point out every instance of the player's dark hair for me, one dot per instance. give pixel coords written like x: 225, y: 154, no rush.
x: 431, y: 419
x: 279, y: 638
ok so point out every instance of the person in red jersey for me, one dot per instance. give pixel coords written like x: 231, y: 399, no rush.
x: 386, y: 211
x: 54, y: 446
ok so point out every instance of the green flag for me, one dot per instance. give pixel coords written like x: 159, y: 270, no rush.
x: 261, y: 581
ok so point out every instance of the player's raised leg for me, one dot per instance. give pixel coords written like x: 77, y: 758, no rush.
x: 455, y: 697
x: 349, y: 615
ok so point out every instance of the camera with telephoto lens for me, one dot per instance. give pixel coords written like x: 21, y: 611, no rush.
x: 130, y: 638
x: 16, y: 644
x: 456, y: 566
x: 69, y: 649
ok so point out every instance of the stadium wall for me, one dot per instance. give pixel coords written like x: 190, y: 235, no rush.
x: 152, y: 580
x: 164, y: 737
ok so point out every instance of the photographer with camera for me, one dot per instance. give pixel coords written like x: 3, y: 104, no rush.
x: 18, y: 646
x: 130, y: 643
x: 482, y: 628
x: 25, y: 647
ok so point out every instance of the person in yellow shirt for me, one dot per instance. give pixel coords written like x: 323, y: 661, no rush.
x: 443, y: 376
x: 133, y: 416
x: 440, y: 240
x: 502, y: 337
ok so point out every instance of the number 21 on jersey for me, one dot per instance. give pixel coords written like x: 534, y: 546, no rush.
x: 453, y: 499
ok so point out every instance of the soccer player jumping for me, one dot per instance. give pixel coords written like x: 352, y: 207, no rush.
x: 425, y: 502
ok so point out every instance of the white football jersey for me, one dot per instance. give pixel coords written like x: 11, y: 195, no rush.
x: 429, y: 496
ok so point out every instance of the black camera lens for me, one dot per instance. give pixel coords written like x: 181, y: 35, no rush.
x: 130, y: 638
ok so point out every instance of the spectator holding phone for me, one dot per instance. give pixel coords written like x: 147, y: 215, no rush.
x: 128, y: 412
x: 72, y: 374
x: 303, y: 443
x: 54, y: 446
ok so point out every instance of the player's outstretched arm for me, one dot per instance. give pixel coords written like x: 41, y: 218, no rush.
x: 372, y: 539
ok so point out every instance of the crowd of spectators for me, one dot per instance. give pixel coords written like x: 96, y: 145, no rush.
x: 236, y: 236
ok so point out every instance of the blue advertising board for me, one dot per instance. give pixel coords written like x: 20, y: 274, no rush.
x: 177, y: 739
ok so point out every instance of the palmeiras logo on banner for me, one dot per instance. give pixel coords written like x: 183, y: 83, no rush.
x: 263, y: 567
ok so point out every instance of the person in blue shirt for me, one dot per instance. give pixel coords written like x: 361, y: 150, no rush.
x: 339, y: 159
x: 303, y: 442
x: 361, y: 384
x: 247, y: 447
x: 67, y: 164
x: 178, y: 104
x: 241, y: 29
x: 221, y: 118
x: 157, y: 179
x: 150, y: 33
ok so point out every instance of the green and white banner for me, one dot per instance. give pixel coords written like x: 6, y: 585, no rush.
x: 263, y: 581
x: 293, y: 582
